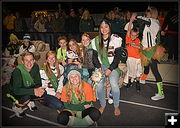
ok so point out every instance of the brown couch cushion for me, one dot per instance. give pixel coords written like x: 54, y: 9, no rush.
x: 39, y: 45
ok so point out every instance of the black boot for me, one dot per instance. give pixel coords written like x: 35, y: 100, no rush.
x: 138, y: 86
x: 129, y: 84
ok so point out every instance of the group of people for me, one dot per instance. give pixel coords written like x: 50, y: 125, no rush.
x: 65, y: 78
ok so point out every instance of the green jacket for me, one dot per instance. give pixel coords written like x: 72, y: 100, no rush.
x: 16, y: 85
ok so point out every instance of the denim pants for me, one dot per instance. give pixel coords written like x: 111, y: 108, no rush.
x: 113, y: 78
x: 53, y: 102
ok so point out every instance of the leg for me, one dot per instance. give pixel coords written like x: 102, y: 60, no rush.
x: 53, y: 102
x: 93, y: 112
x: 114, y: 77
x: 63, y: 117
x: 157, y: 75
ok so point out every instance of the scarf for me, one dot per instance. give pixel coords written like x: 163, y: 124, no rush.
x: 54, y: 80
x: 103, y: 57
x: 27, y: 79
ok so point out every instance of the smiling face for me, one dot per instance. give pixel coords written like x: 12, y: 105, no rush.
x: 105, y: 29
x: 28, y: 62
x: 74, y: 80
x: 73, y: 46
x: 51, y: 59
x: 26, y: 43
x: 85, y: 41
x: 133, y: 35
x: 62, y: 43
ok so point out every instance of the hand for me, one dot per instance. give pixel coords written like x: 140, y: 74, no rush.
x: 87, y: 106
x: 39, y: 91
x: 58, y: 95
x: 163, y: 33
x: 63, y: 63
x: 107, y: 72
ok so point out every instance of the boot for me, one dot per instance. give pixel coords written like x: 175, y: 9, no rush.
x: 160, y: 94
x: 75, y: 121
x: 138, y: 86
x: 143, y: 79
x: 129, y: 83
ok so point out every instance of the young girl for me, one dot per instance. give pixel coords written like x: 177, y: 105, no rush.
x: 77, y: 96
x: 107, y: 46
x: 89, y: 57
x: 52, y: 80
x: 73, y: 54
x: 61, y: 53
x: 27, y: 45
x: 149, y: 43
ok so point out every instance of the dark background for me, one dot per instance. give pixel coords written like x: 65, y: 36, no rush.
x: 94, y: 7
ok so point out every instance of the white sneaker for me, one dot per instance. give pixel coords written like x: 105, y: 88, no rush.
x: 18, y: 110
x: 142, y: 81
x: 32, y: 106
x: 157, y: 97
x: 110, y: 101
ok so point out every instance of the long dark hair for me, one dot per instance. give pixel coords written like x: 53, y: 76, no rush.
x: 101, y: 44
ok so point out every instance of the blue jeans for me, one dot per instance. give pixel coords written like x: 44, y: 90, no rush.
x: 113, y: 77
x: 53, y: 102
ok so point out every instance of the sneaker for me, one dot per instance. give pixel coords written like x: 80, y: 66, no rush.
x: 157, y: 97
x: 18, y: 110
x: 31, y: 105
x: 142, y: 81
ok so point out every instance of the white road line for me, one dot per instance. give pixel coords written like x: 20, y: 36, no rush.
x: 37, y: 118
x: 146, y: 105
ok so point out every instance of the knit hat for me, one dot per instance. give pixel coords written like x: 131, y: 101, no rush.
x: 27, y: 37
x: 13, y: 37
x: 73, y: 72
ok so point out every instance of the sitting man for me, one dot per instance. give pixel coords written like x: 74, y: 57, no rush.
x: 25, y: 84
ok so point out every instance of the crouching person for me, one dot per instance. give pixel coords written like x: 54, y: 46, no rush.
x: 77, y: 96
x: 25, y: 84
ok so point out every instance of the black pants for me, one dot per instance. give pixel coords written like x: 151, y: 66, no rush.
x: 172, y: 43
x: 94, y: 113
x: 23, y: 98
x: 154, y: 70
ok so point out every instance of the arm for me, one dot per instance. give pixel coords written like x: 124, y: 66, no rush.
x: 76, y: 107
x: 96, y: 62
x: 147, y: 21
x: 17, y: 84
x: 133, y: 17
x: 120, y: 55
x: 36, y: 75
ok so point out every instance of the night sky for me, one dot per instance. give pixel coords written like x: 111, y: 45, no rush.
x: 94, y: 7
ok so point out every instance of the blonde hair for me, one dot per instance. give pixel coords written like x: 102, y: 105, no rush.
x: 153, y: 12
x: 86, y: 14
x: 70, y: 90
x: 83, y: 58
x: 78, y: 48
x: 47, y: 65
x: 27, y: 54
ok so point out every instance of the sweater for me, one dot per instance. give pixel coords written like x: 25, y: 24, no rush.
x: 16, y: 85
